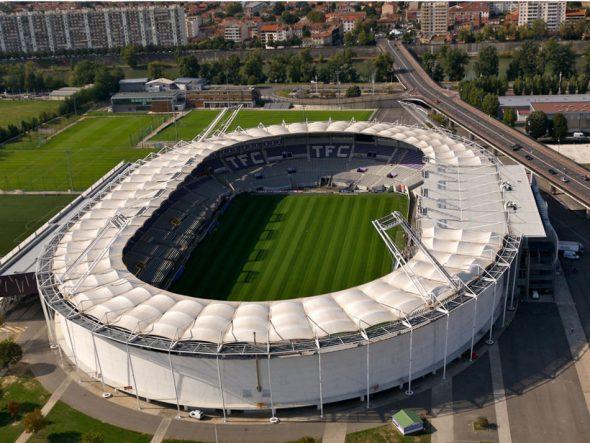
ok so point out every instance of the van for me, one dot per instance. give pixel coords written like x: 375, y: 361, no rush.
x: 578, y: 135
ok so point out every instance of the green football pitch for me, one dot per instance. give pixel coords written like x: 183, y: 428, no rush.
x: 21, y: 215
x: 271, y: 247
x: 14, y: 111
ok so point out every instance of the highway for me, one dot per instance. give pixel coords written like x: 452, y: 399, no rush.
x: 564, y: 174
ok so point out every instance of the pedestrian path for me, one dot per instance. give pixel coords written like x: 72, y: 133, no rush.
x: 161, y: 431
x: 334, y: 433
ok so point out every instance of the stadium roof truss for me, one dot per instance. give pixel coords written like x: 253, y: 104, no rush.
x: 461, y: 245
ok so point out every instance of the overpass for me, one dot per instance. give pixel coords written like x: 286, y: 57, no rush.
x: 561, y: 172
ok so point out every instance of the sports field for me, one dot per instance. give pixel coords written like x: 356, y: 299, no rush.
x: 14, y: 111
x: 270, y: 247
x: 248, y: 118
x: 188, y: 127
x: 76, y: 157
x: 21, y: 215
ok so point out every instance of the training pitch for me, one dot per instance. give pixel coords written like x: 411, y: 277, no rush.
x: 271, y: 247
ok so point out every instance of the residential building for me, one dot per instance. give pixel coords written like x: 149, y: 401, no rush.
x: 70, y: 29
x: 434, y: 18
x: 474, y: 14
x: 252, y: 8
x: 388, y: 9
x: 575, y: 15
x: 413, y: 12
x: 274, y: 32
x: 234, y: 30
x: 503, y: 7
x: 349, y: 20
x: 193, y: 24
x: 552, y: 13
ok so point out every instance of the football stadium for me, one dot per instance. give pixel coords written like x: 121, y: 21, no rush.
x: 286, y: 266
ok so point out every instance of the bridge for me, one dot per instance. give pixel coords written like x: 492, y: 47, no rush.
x: 562, y: 173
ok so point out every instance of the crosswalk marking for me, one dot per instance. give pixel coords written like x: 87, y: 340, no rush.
x: 12, y: 329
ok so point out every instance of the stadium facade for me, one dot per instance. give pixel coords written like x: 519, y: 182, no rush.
x: 446, y: 291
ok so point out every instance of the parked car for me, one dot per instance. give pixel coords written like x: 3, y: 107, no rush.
x: 197, y: 414
x: 571, y: 255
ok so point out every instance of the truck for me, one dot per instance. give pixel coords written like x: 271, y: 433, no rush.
x: 570, y: 246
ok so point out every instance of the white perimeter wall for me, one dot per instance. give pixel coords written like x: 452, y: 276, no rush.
x: 294, y: 379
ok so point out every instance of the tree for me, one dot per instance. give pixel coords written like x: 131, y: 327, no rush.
x: 453, y: 61
x: 536, y: 124
x: 490, y: 105
x: 539, y: 29
x: 509, y: 117
x: 156, y: 69
x: 253, y: 69
x: 13, y: 408
x: 383, y: 65
x: 10, y: 352
x: 582, y: 84
x: 558, y: 58
x: 316, y: 16
x: 353, y: 91
x: 188, y: 66
x: 233, y: 8
x: 487, y: 63
x: 92, y: 437
x: 559, y: 127
x: 34, y: 421
x: 289, y: 18
x: 83, y: 73
x: 277, y: 69
x: 130, y: 55
x: 525, y: 61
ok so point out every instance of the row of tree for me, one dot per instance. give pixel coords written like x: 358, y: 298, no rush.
x: 280, y: 68
x: 550, y: 84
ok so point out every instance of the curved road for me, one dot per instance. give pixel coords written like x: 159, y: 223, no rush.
x: 561, y: 172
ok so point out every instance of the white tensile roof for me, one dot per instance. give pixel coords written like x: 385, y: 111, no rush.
x: 459, y: 227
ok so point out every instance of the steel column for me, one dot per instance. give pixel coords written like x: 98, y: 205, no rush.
x: 320, y: 379
x: 130, y: 363
x: 473, y: 328
x: 490, y: 341
x: 71, y: 342
x: 272, y: 404
x: 409, y: 390
x: 221, y: 389
x: 97, y: 364
x: 444, y: 375
x: 368, y: 374
x: 174, y: 382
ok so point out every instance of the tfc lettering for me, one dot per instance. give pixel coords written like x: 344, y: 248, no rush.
x: 319, y: 151
x: 245, y: 160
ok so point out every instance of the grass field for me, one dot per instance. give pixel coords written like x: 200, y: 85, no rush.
x: 269, y: 247
x: 188, y: 126
x: 248, y: 118
x: 20, y: 215
x: 76, y: 157
x: 192, y: 124
x: 13, y: 111
x: 66, y: 425
x: 387, y: 434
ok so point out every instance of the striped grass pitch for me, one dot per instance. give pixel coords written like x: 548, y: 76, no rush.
x: 271, y: 247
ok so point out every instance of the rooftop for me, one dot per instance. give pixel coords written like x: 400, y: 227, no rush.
x: 152, y: 95
x: 526, y: 100
x: 134, y: 80
x: 553, y: 108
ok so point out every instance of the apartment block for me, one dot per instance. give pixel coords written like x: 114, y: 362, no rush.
x: 63, y: 30
x: 434, y: 18
x: 552, y: 13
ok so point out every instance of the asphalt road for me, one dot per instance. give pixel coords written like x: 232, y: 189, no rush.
x: 567, y: 176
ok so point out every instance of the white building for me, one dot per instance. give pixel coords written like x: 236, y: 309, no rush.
x: 235, y: 31
x: 113, y: 27
x: 434, y: 18
x: 552, y: 13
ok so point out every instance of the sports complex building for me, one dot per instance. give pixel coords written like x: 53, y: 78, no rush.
x: 103, y: 276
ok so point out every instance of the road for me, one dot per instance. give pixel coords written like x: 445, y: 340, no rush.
x: 561, y: 172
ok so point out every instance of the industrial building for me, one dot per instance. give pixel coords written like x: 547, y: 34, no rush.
x: 164, y: 101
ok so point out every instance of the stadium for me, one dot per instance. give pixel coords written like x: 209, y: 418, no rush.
x: 451, y: 243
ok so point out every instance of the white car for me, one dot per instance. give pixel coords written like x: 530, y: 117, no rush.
x: 197, y: 414
x: 571, y: 255
x: 535, y: 295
